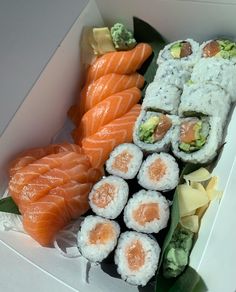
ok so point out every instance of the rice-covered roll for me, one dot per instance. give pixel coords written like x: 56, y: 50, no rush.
x: 125, y: 161
x: 159, y: 172
x: 109, y: 196
x: 137, y: 256
x: 208, y: 99
x: 197, y: 140
x: 216, y: 71
x: 163, y: 97
x: 186, y: 51
x: 97, y: 238
x: 173, y: 72
x: 153, y: 131
x: 147, y: 211
x: 220, y: 48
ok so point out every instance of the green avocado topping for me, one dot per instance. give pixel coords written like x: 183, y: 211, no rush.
x: 147, y: 129
x: 201, y: 133
x: 177, y: 252
x: 122, y: 38
x: 227, y: 49
x: 175, y: 50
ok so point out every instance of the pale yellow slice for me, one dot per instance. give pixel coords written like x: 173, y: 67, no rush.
x: 202, y: 174
x: 191, y: 223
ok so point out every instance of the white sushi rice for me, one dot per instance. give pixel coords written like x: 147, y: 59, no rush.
x: 216, y: 71
x: 160, y: 146
x: 133, y: 165
x: 170, y: 178
x: 209, y: 149
x: 208, y: 100
x: 116, y: 205
x: 147, y: 197
x: 163, y: 97
x: 174, y: 73
x: 188, y: 61
x: 99, y: 251
x: 152, y: 254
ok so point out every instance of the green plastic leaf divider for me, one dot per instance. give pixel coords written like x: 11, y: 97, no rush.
x: 9, y: 206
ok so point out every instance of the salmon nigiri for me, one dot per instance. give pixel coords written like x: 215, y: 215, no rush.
x: 102, y: 88
x: 123, y: 62
x: 106, y: 111
x: 99, y: 145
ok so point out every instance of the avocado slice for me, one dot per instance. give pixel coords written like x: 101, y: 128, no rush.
x: 175, y: 50
x: 227, y: 49
x: 147, y: 129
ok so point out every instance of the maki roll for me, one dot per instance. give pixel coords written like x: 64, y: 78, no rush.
x: 216, y: 71
x: 125, y: 161
x: 186, y: 51
x: 159, y: 172
x: 197, y: 140
x: 97, y: 238
x: 109, y: 196
x: 137, y: 257
x: 153, y: 131
x: 147, y: 211
x: 174, y: 73
x: 162, y: 97
x: 220, y: 48
x: 207, y: 100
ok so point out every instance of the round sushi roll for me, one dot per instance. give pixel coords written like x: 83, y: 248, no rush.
x: 186, y: 51
x: 153, y: 131
x: 197, y: 140
x: 219, y: 48
x: 97, y: 238
x: 162, y: 97
x: 216, y: 71
x: 137, y: 257
x: 173, y: 72
x: 147, y: 211
x: 125, y: 161
x: 109, y: 196
x: 208, y: 100
x: 159, y: 172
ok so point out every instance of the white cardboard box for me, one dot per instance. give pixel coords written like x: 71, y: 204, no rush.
x: 43, y: 113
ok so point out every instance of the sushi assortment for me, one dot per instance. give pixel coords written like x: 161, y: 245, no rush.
x: 184, y: 111
x: 186, y: 107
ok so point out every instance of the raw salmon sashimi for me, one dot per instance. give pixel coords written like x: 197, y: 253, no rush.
x: 99, y: 145
x: 106, y: 111
x: 31, y: 155
x: 75, y: 196
x: 44, y: 218
x: 33, y: 170
x: 102, y: 88
x: 123, y: 62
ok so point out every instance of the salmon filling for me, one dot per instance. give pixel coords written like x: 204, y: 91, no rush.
x: 223, y: 48
x: 121, y: 162
x: 101, y: 234
x: 181, y: 50
x: 135, y: 255
x: 146, y: 213
x: 104, y: 195
x: 193, y: 135
x: 154, y: 128
x: 157, y: 170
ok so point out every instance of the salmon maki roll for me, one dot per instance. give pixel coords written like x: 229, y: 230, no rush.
x: 99, y: 146
x: 106, y: 111
x: 124, y: 62
x: 137, y: 256
x: 102, y: 88
x: 97, y: 238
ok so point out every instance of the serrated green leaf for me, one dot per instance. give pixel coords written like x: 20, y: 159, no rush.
x: 9, y: 206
